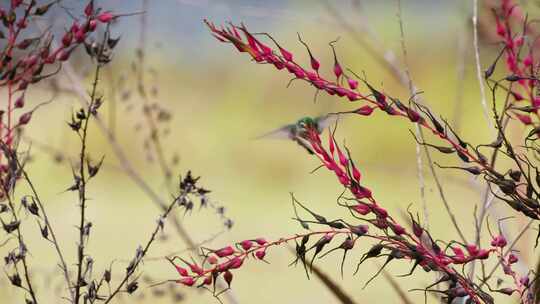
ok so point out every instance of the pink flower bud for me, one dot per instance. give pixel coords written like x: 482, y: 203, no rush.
x: 89, y: 9
x: 196, y: 269
x: 228, y: 276
x: 286, y: 54
x: 528, y: 61
x: 224, y: 252
x: 92, y: 24
x: 188, y: 281
x: 19, y: 103
x: 236, y: 263
x: 353, y: 84
x: 25, y: 118
x: 472, y: 249
x: 338, y: 71
x: 261, y: 241
x: 64, y: 54
x: 362, y: 209
x: 517, y: 96
x: 525, y: 119
x: 398, y: 230
x: 315, y: 64
x: 106, y: 17
x: 483, y: 254
x: 260, y: 254
x: 501, y: 30
x: 498, y: 241
x: 356, y: 174
x: 458, y: 252
x: 67, y: 39
x: 212, y: 260
x: 246, y: 245
x: 181, y: 271
x: 512, y: 258
x: 365, y: 110
x: 80, y: 36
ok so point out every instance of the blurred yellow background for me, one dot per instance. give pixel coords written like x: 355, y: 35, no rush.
x: 219, y: 102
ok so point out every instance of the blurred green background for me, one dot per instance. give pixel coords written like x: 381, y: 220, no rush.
x: 219, y: 102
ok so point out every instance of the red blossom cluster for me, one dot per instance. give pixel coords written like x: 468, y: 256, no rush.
x: 24, y: 59
x: 521, y: 61
x: 393, y: 240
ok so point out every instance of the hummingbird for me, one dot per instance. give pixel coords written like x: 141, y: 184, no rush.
x: 298, y: 131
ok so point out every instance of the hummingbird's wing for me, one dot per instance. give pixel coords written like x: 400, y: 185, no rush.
x: 325, y: 121
x: 285, y: 132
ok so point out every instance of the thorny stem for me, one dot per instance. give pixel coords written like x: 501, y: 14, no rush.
x: 143, y: 254
x: 82, y: 175
x: 22, y: 245
x: 129, y: 169
x: 63, y: 265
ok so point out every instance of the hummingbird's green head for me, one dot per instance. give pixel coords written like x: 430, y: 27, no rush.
x: 306, y: 122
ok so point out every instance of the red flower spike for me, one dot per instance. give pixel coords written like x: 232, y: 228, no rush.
x: 512, y: 258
